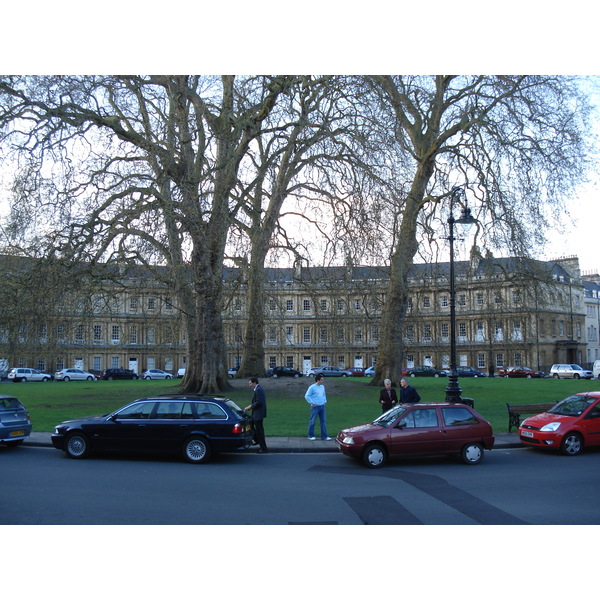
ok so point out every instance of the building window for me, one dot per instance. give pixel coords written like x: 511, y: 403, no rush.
x: 517, y: 359
x: 426, y: 333
x: 445, y: 331
x: 323, y: 304
x: 358, y: 334
x: 116, y: 334
x: 306, y: 335
x: 151, y: 304
x: 272, y: 335
x: 289, y: 305
x: 133, y: 305
x: 97, y: 333
x: 289, y: 335
x: 168, y: 304
x: 499, y: 336
x: 410, y: 333
x: 561, y: 328
x: 133, y: 334
x: 578, y: 329
x: 426, y: 302
x: 516, y: 297
x: 444, y: 302
x: 462, y: 299
x: 480, y: 336
x: 340, y: 335
x: 497, y: 298
x: 272, y: 362
x: 374, y: 333
x: 499, y: 359
x: 306, y: 305
x: 462, y: 331
x: 410, y: 361
x: 78, y: 334
x: 480, y: 360
x: 151, y: 335
x: 272, y: 304
x: 517, y: 335
x: 357, y: 304
x: 114, y: 362
x: 289, y: 362
x: 479, y: 299
x: 169, y: 335
x: 340, y: 306
x: 323, y: 335
x: 97, y: 362
x: 324, y: 361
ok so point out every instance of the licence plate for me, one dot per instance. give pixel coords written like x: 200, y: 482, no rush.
x: 527, y: 434
x: 17, y: 433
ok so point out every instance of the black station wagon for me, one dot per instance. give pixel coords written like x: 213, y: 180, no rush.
x: 193, y: 427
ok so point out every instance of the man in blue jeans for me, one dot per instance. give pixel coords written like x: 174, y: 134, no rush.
x: 315, y: 396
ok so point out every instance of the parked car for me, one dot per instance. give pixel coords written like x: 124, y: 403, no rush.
x: 422, y: 429
x: 15, y: 425
x: 523, y: 372
x: 156, y: 374
x: 110, y: 374
x: 569, y: 427
x: 596, y: 369
x: 424, y: 371
x: 567, y: 371
x: 74, y: 375
x: 181, y: 372
x: 232, y: 371
x: 194, y: 427
x: 370, y: 372
x: 469, y: 372
x: 328, y: 372
x: 17, y: 374
x: 283, y: 372
x: 356, y: 371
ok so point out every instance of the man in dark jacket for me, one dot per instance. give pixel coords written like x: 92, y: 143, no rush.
x: 259, y: 412
x: 408, y: 394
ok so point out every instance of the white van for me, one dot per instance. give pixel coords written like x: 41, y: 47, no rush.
x: 596, y: 369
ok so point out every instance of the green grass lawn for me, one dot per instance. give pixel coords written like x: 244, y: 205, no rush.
x: 350, y: 401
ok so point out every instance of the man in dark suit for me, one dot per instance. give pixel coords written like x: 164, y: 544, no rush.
x: 408, y: 394
x: 259, y: 412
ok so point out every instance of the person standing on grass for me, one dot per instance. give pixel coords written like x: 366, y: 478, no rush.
x: 387, y: 396
x: 408, y: 394
x: 259, y: 412
x: 316, y: 397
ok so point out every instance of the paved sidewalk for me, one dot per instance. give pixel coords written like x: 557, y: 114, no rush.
x: 296, y: 444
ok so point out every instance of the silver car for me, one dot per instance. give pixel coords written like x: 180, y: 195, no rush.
x: 17, y: 374
x: 15, y: 425
x: 567, y: 371
x: 74, y: 375
x: 156, y: 374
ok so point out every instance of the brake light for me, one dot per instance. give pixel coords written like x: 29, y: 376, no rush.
x: 238, y: 428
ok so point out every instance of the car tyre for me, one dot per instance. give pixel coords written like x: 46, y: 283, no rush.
x: 66, y: 379
x: 436, y: 375
x: 572, y: 444
x: 274, y: 375
x: 374, y: 456
x: 45, y: 379
x: 168, y: 377
x: 576, y: 376
x: 135, y: 378
x: 77, y: 445
x: 555, y: 375
x: 296, y: 375
x: 89, y: 379
x: 196, y: 450
x: 472, y: 454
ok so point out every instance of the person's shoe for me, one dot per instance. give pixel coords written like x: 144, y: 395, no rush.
x: 262, y: 452
x: 312, y: 438
x: 327, y: 438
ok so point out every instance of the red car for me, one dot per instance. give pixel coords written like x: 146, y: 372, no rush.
x: 570, y: 426
x: 416, y: 430
x: 524, y: 372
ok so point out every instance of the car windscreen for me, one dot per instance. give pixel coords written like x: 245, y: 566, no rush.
x: 387, y: 418
x: 573, y: 406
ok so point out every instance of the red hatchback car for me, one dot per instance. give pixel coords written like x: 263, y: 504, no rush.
x: 416, y: 430
x: 569, y: 426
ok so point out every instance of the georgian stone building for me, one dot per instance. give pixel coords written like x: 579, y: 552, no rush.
x: 509, y: 311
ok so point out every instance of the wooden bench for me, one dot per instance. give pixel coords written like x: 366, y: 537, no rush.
x: 516, y: 410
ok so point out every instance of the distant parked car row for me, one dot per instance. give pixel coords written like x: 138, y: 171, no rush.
x: 24, y: 374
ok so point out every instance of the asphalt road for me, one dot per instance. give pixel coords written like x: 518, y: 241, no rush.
x: 40, y: 486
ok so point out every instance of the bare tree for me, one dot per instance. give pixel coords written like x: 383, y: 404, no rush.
x: 516, y: 142
x: 144, y: 167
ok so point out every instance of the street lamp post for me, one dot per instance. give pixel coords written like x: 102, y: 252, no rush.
x: 453, y: 391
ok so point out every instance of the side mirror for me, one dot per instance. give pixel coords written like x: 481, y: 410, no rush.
x: 400, y: 425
